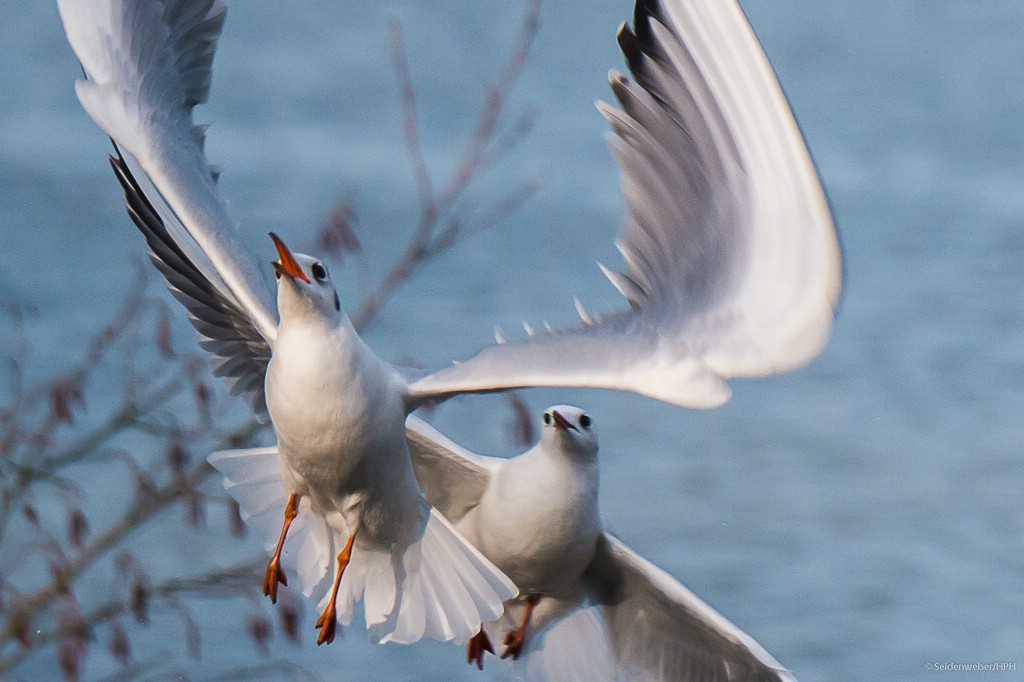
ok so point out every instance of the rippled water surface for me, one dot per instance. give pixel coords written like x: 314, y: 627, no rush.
x: 861, y: 518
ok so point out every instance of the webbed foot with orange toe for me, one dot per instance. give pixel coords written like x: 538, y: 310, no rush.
x: 514, y: 642
x: 327, y: 624
x: 476, y: 646
x: 275, y: 574
x: 515, y: 639
x: 273, y: 577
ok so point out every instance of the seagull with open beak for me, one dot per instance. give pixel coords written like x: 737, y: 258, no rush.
x: 338, y: 412
x: 732, y: 268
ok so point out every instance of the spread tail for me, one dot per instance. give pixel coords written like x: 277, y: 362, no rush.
x: 439, y: 587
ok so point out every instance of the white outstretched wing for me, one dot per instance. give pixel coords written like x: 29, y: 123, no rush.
x: 147, y: 64
x: 659, y: 630
x: 733, y: 265
x: 453, y: 478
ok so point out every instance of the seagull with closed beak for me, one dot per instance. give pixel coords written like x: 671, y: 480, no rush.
x: 589, y: 607
x: 732, y: 268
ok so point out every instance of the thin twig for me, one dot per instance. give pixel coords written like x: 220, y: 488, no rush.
x: 140, y: 512
x: 95, y: 351
x: 507, y: 206
x: 242, y: 574
x: 494, y: 104
x: 478, y: 154
x: 410, y: 119
x: 44, y: 465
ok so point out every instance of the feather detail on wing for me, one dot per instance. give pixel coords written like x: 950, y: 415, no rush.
x: 241, y: 353
x: 660, y: 630
x: 452, y: 478
x: 733, y: 265
x: 147, y: 64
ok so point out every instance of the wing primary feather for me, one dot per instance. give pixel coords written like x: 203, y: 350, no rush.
x: 582, y: 312
x: 241, y: 353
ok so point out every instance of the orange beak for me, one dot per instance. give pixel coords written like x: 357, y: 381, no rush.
x: 287, y: 266
x: 561, y: 422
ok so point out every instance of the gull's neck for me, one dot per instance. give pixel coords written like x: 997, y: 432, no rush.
x: 298, y: 309
x: 324, y: 346
x: 559, y: 447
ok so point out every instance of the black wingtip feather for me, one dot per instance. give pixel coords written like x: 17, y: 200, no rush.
x: 142, y: 212
x: 214, y: 317
x: 643, y: 12
x: 639, y: 43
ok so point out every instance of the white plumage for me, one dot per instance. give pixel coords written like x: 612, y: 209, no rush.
x: 732, y: 269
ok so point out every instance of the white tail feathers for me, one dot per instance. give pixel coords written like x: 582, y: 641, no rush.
x: 439, y: 587
x: 573, y: 647
x: 253, y: 478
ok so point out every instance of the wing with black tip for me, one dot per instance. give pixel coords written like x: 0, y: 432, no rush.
x: 147, y: 63
x: 733, y: 264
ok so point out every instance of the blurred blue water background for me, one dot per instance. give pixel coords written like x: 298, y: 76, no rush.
x: 861, y: 517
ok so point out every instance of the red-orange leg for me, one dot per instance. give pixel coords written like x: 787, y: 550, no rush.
x: 328, y: 620
x: 275, y: 574
x: 476, y: 646
x: 515, y: 639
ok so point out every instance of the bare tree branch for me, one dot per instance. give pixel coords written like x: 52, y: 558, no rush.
x: 410, y: 121
x: 480, y: 152
x: 213, y: 584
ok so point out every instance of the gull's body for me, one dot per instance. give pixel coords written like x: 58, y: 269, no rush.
x: 549, y: 490
x: 339, y: 418
x: 732, y: 269
x: 600, y: 611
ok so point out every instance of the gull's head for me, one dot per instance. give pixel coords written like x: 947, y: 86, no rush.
x: 570, y: 430
x: 304, y: 286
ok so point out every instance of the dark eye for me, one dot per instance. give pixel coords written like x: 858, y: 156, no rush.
x: 319, y: 272
x: 547, y: 418
x: 585, y: 421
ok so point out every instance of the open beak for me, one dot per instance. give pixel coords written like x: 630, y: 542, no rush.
x: 287, y: 266
x: 561, y: 422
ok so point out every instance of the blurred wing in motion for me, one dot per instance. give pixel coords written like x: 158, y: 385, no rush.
x: 660, y: 630
x: 452, y: 477
x: 146, y: 65
x: 733, y: 265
